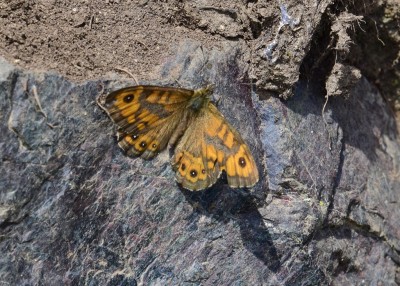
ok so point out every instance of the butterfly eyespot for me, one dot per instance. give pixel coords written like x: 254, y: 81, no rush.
x: 183, y: 167
x: 128, y: 98
x: 134, y: 137
x: 154, y: 145
x: 203, y: 171
x: 143, y: 144
x: 193, y: 173
x: 242, y: 162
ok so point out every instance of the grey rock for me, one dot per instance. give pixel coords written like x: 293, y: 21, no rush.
x: 74, y: 210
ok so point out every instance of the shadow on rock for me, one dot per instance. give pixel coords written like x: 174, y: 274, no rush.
x: 363, y: 116
x: 224, y: 204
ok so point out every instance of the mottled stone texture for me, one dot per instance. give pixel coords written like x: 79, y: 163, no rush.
x: 75, y: 211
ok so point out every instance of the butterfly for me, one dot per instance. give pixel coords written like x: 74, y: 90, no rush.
x: 149, y: 118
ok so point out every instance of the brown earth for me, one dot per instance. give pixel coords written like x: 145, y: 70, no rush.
x: 85, y: 40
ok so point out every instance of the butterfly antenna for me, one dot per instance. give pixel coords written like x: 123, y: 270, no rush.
x: 205, y: 58
x: 178, y: 83
x: 100, y: 98
x: 129, y: 73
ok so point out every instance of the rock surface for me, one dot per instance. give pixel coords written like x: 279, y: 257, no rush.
x: 75, y: 211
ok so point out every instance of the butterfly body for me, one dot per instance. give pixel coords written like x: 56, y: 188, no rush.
x: 152, y: 117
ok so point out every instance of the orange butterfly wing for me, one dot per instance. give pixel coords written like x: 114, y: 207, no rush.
x: 209, y: 146
x: 147, y: 116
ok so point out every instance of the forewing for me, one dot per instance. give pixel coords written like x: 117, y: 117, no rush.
x: 147, y: 116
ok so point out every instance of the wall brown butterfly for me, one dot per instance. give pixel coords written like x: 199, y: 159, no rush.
x: 151, y: 117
